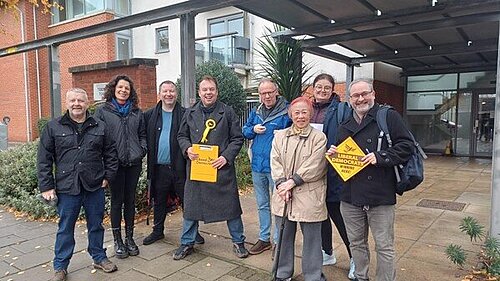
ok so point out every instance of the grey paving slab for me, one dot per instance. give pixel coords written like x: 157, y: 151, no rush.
x: 38, y: 273
x: 162, y: 266
x: 133, y: 275
x: 6, y: 253
x: 209, y: 269
x: 178, y: 276
x: 31, y: 245
x: 155, y: 250
x: 6, y: 269
x: 32, y: 259
x: 10, y: 240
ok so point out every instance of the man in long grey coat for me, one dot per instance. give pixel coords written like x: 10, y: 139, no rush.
x: 206, y: 201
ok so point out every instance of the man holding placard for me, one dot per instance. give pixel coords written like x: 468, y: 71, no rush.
x: 369, y: 195
x: 210, y: 138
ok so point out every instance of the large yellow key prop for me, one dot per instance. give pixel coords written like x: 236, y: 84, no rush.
x: 209, y: 125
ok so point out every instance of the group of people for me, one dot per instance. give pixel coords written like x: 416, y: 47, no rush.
x: 81, y: 154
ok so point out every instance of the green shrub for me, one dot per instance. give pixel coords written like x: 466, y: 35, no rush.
x: 489, y: 257
x: 243, y: 169
x: 42, y: 122
x: 18, y: 181
x: 230, y: 90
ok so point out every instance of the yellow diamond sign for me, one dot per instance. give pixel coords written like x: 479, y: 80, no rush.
x: 347, y: 160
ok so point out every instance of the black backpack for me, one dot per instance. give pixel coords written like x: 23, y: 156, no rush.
x: 410, y: 174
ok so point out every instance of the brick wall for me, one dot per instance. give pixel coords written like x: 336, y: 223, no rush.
x: 83, y: 52
x: 12, y: 89
x: 389, y: 94
x: 141, y: 71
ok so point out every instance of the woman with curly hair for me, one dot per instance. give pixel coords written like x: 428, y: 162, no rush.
x: 126, y: 122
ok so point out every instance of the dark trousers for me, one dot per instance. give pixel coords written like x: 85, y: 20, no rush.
x: 326, y: 228
x: 123, y: 195
x: 166, y: 184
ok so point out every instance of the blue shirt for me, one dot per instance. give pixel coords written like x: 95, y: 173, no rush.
x: 164, y: 141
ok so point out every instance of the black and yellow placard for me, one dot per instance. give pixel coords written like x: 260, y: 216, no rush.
x: 201, y: 168
x: 347, y: 160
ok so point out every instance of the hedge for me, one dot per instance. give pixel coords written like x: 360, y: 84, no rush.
x: 18, y: 181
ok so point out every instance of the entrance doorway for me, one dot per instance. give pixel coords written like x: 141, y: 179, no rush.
x: 476, y: 112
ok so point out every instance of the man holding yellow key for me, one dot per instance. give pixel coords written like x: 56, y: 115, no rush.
x: 209, y: 126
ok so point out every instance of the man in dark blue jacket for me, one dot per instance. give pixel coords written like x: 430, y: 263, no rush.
x: 368, y: 198
x: 271, y: 115
x: 85, y: 161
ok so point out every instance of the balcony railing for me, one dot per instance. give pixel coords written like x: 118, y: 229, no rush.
x: 229, y: 48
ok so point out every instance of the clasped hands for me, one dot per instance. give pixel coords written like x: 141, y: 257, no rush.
x: 217, y: 163
x: 369, y: 158
x: 284, y: 190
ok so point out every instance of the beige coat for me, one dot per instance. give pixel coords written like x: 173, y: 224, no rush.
x: 303, y: 157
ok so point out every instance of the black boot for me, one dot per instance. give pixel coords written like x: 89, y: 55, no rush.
x: 120, y: 249
x: 132, y: 248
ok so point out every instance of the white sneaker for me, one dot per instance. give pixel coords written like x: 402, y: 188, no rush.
x: 352, y: 268
x: 329, y: 259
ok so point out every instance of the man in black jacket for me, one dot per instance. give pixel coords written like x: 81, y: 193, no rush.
x: 368, y: 198
x: 166, y: 164
x: 85, y: 161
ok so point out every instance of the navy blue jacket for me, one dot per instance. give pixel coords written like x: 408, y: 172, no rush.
x: 330, y: 128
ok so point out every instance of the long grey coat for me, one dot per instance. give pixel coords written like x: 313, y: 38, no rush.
x: 219, y: 201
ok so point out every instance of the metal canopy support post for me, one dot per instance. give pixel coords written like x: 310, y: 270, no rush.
x: 55, y: 81
x: 349, y: 76
x: 495, y: 183
x: 188, y: 74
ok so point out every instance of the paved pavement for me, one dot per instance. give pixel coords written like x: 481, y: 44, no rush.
x: 422, y: 233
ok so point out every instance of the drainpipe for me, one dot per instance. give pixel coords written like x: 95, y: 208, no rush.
x: 25, y: 70
x: 38, y: 90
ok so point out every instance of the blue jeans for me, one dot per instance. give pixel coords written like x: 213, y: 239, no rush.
x: 68, y: 209
x: 262, y: 184
x: 190, y: 228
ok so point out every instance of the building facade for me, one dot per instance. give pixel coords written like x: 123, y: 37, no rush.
x: 228, y: 34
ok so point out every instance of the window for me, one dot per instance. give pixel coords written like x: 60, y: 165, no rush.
x: 162, y: 44
x: 78, y: 8
x: 123, y: 45
x: 122, y: 7
x: 222, y: 47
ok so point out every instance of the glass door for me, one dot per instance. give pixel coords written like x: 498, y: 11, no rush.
x: 484, y: 120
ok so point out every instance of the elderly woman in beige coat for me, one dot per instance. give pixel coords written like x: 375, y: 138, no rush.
x: 298, y: 167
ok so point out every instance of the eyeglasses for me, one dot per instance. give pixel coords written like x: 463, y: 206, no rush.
x: 322, y: 88
x: 267, y: 93
x: 363, y: 94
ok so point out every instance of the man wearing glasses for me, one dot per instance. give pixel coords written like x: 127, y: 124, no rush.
x: 368, y: 198
x: 271, y: 115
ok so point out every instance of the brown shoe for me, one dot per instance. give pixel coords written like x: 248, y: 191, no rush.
x: 106, y: 265
x: 259, y: 247
x: 59, y: 275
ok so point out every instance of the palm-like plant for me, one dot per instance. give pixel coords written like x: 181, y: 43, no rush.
x: 282, y: 62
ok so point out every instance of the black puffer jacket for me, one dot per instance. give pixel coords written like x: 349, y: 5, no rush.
x: 128, y: 132
x: 80, y: 161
